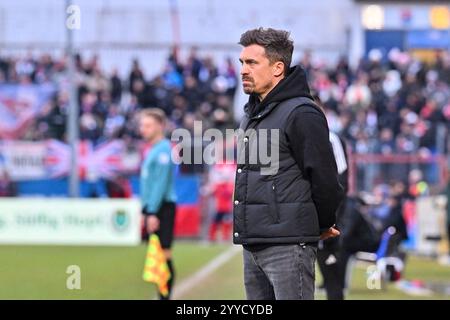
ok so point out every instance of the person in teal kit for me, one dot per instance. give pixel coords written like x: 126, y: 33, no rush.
x: 157, y: 184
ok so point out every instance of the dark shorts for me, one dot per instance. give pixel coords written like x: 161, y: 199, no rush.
x: 166, y: 216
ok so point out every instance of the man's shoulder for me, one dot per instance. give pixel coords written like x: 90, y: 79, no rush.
x: 167, y: 144
x: 163, y: 146
x: 302, y: 105
x: 306, y: 112
x: 163, y: 152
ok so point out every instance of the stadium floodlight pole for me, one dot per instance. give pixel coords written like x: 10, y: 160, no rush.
x: 175, y: 20
x: 72, y: 115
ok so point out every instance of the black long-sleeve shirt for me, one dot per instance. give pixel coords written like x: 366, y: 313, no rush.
x: 307, y: 131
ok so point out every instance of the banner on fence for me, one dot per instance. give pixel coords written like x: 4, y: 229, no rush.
x: 50, y: 159
x: 70, y: 221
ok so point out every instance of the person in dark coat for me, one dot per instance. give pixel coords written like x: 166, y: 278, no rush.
x: 329, y: 250
x: 284, y: 204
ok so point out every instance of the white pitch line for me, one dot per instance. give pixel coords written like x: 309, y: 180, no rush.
x: 187, y: 284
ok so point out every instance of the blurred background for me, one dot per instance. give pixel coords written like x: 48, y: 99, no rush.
x: 74, y: 75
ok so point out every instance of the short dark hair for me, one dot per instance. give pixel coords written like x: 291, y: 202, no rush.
x: 276, y: 43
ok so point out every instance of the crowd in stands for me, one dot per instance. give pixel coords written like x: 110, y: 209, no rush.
x: 391, y: 105
x: 388, y: 105
x: 195, y: 89
x: 385, y: 105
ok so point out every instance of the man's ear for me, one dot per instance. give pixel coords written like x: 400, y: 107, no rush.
x: 278, y: 69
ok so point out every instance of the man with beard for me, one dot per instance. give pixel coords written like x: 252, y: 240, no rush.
x: 279, y: 217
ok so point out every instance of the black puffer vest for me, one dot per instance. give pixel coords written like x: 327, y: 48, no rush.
x: 272, y: 208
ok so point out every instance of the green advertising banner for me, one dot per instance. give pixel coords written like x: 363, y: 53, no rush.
x: 69, y: 221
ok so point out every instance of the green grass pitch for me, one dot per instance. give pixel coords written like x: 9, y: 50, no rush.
x: 39, y: 272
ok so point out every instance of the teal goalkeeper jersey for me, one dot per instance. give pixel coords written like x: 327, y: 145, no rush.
x: 157, y: 177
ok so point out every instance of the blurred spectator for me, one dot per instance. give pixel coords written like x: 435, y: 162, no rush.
x: 7, y: 187
x: 417, y: 186
x: 136, y: 74
x: 397, y: 198
x: 223, y: 193
x: 116, y: 87
x: 221, y: 187
x: 114, y: 123
x: 381, y: 206
x: 386, y: 143
x: 52, y: 123
x: 119, y: 187
x: 193, y: 64
x: 358, y: 94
